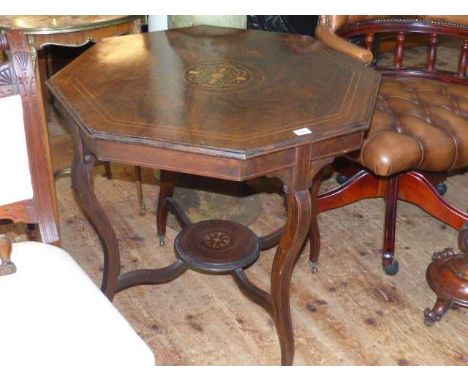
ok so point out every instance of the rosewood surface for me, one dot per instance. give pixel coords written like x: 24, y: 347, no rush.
x: 216, y: 91
x: 226, y: 103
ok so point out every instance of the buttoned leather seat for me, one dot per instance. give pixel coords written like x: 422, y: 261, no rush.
x: 419, y: 130
x: 417, y: 124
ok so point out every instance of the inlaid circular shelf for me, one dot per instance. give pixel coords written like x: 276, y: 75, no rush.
x: 217, y: 246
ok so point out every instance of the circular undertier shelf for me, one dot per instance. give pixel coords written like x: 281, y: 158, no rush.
x: 217, y: 246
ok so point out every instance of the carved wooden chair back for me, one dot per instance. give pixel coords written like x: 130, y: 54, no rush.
x: 418, y: 133
x: 433, y: 27
x: 27, y: 193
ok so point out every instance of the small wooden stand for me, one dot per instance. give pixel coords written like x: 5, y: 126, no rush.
x: 447, y: 276
x: 217, y: 246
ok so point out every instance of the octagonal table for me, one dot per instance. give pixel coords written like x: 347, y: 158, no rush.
x: 225, y: 103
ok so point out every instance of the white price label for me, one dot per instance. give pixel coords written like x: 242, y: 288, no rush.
x: 303, y: 131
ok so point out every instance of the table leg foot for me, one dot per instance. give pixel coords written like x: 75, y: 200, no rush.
x: 313, y: 267
x: 166, y: 190
x: 181, y: 217
x: 440, y: 308
x: 296, y: 230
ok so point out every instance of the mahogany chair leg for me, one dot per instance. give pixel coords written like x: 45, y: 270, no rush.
x: 417, y: 189
x: 412, y: 187
x: 362, y: 185
x: 166, y: 190
x: 389, y: 264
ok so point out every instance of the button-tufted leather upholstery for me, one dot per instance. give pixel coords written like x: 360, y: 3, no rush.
x: 420, y: 121
x: 417, y: 124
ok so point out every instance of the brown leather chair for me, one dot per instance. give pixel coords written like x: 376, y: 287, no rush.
x: 419, y: 131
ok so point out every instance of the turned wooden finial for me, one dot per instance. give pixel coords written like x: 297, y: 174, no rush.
x: 7, y: 266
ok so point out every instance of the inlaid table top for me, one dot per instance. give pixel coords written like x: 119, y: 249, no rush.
x: 59, y: 24
x: 222, y: 91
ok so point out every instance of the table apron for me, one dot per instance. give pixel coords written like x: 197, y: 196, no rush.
x: 217, y: 166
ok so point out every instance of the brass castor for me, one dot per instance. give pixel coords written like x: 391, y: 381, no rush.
x: 313, y: 266
x: 392, y: 268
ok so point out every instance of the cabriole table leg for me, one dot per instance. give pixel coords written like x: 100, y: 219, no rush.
x: 297, y: 227
x: 82, y: 168
x: 300, y: 214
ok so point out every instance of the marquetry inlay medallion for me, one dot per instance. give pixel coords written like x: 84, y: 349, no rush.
x: 218, y: 75
x: 217, y: 240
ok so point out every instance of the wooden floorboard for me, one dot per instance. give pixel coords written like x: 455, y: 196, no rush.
x: 350, y: 313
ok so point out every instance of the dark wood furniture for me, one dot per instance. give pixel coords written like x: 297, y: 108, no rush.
x: 447, y: 276
x: 419, y: 130
x: 225, y: 103
x: 70, y: 30
x: 60, y: 39
x: 44, y: 294
x: 73, y: 31
x: 18, y: 75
